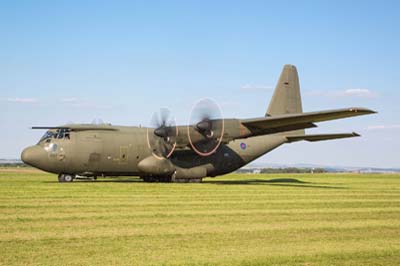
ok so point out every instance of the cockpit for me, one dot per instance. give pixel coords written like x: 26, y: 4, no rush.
x: 61, y: 133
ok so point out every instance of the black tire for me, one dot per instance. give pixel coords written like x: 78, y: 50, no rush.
x: 64, y: 178
x: 146, y: 179
x: 164, y: 179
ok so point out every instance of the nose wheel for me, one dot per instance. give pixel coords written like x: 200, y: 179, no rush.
x: 65, y: 178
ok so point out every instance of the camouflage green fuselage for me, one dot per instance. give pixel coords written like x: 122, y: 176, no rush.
x: 116, y: 153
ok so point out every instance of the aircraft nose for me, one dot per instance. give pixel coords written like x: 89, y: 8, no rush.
x: 32, y: 155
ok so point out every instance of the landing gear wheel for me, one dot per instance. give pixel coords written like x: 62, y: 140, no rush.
x: 65, y: 178
x: 148, y: 179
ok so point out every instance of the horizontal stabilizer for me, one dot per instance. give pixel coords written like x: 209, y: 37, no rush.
x: 320, y: 137
x: 301, y: 119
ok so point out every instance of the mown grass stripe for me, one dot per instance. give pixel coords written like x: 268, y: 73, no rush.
x: 321, y: 219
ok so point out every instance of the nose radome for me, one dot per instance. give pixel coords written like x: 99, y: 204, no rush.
x: 31, y: 155
x: 25, y: 155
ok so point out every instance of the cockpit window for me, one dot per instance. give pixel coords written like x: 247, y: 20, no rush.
x: 48, y: 135
x: 58, y: 134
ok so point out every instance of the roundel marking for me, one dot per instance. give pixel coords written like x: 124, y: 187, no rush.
x: 243, y: 146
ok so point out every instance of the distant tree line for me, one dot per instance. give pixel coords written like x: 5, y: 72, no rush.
x: 13, y: 165
x: 287, y: 170
x: 292, y: 170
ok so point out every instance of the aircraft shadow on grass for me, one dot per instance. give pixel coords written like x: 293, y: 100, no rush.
x: 115, y: 180
x: 284, y: 182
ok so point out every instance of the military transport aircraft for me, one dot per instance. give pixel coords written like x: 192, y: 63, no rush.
x: 209, y: 146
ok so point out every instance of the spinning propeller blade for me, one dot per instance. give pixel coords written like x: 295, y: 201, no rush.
x: 162, y: 140
x: 207, y: 120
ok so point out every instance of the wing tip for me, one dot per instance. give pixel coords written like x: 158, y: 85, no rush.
x: 362, y: 110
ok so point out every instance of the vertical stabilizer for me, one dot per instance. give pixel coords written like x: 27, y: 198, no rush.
x: 286, y: 98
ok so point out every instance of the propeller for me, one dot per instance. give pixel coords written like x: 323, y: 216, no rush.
x: 206, y: 127
x: 162, y: 139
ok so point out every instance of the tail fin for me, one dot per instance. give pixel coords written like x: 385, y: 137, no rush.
x: 287, y: 98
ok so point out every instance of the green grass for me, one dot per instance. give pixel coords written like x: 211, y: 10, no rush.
x: 276, y: 219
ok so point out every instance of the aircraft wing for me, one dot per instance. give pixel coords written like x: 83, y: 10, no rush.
x: 287, y: 122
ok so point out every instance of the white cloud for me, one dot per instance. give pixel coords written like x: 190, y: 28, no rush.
x: 384, y: 127
x: 249, y: 87
x: 69, y: 100
x: 22, y: 100
x: 349, y: 93
x: 361, y: 93
x: 82, y: 103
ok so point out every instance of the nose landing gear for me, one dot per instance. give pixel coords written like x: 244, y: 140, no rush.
x: 65, y: 178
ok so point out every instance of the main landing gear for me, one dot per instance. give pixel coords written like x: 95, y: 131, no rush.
x: 65, y: 178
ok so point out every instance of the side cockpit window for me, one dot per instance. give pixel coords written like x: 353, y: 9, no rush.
x: 63, y: 133
x: 60, y: 134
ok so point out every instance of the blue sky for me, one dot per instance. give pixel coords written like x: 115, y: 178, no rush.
x: 74, y: 61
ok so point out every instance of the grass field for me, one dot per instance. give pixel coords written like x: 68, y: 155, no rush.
x: 327, y: 219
